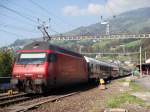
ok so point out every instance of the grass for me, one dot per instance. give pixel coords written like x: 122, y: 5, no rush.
x: 125, y: 98
x: 121, y: 80
x: 135, y: 87
x: 133, y: 44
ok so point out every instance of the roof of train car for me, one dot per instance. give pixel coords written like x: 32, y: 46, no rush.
x: 41, y: 45
x: 94, y: 61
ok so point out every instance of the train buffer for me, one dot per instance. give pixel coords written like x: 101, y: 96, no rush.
x: 102, y: 85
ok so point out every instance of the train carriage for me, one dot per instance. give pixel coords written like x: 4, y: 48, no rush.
x: 98, y: 69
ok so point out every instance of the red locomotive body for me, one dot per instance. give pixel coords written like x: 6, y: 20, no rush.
x: 41, y: 66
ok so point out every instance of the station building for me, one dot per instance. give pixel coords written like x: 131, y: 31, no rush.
x: 145, y: 67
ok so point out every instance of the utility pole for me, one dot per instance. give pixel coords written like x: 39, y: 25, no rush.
x: 123, y: 47
x: 140, y: 61
x: 145, y: 56
x: 107, y: 28
x: 43, y: 28
x: 80, y: 49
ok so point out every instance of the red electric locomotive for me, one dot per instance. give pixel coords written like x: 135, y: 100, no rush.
x: 41, y: 66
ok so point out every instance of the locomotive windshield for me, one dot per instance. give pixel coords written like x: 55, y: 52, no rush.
x: 31, y: 58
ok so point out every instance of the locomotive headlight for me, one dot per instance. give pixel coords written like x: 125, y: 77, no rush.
x: 17, y: 76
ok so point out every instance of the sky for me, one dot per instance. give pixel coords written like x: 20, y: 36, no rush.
x: 19, y: 18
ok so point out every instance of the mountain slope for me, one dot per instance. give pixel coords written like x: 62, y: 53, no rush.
x: 136, y: 21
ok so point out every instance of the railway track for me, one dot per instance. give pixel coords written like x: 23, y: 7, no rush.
x: 6, y: 100
x: 7, y: 94
x: 59, y: 94
x: 22, y: 107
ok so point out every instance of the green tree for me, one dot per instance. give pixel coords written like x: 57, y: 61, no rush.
x: 6, y: 59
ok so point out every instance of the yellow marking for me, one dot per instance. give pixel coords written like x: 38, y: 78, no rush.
x: 10, y: 92
x: 102, y: 81
x: 102, y: 84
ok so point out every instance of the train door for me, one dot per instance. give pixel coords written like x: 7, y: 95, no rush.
x: 52, y: 70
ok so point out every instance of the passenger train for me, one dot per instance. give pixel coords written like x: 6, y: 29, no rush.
x: 41, y: 66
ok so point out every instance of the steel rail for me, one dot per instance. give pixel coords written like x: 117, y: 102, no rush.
x: 12, y: 101
x: 7, y: 97
x: 23, y: 108
x: 7, y: 94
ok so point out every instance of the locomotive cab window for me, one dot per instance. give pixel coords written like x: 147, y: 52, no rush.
x: 31, y: 58
x: 52, y: 58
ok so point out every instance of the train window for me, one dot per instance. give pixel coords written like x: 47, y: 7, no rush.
x: 52, y: 58
x: 104, y: 68
x: 92, y: 66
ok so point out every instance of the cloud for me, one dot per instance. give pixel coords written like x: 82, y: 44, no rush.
x: 111, y: 7
x: 95, y: 9
x: 72, y: 10
x: 92, y: 9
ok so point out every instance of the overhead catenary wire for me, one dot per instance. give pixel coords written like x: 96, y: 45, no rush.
x: 12, y: 33
x: 27, y: 17
x: 24, y: 16
x: 13, y: 10
x: 48, y: 12
x: 18, y: 28
x: 54, y: 31
x: 28, y: 10
x: 18, y: 13
x: 17, y: 19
